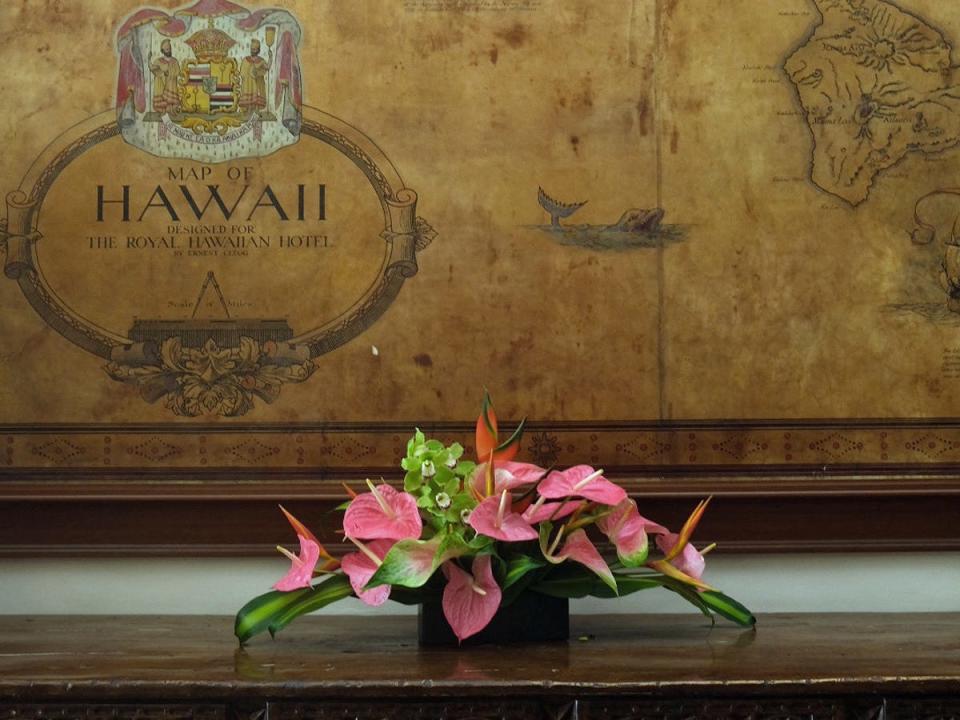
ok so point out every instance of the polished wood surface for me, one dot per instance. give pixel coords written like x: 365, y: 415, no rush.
x: 181, y: 659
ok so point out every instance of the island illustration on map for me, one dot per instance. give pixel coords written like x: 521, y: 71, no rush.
x: 876, y: 83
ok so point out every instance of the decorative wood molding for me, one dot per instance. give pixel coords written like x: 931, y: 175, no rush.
x: 801, y: 446
x: 212, y: 489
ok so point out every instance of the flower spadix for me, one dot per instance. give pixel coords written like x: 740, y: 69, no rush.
x: 494, y: 517
x: 470, y: 600
x: 542, y: 510
x: 581, y: 481
x: 382, y: 514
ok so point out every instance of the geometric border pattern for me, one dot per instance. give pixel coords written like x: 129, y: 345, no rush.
x: 364, y: 448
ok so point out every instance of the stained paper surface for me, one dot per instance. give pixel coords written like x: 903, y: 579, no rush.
x: 609, y: 214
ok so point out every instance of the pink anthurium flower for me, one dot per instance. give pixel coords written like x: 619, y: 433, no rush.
x: 470, y: 601
x: 494, y: 518
x: 681, y: 560
x: 360, y: 567
x: 382, y: 514
x: 581, y: 481
x: 578, y: 548
x: 627, y: 529
x: 542, y: 510
x: 303, y: 566
x: 690, y: 561
x: 300, y: 574
x: 506, y: 476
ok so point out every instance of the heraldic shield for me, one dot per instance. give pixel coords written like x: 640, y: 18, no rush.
x: 212, y: 82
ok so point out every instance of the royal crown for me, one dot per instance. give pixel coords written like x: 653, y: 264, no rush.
x: 210, y: 44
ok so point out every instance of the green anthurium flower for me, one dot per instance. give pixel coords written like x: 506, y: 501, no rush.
x: 410, y: 563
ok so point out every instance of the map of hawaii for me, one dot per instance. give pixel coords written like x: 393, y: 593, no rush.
x: 876, y: 83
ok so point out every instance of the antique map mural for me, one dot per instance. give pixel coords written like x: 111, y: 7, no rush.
x: 278, y: 234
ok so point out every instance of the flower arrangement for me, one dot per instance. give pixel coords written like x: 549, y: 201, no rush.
x: 478, y: 535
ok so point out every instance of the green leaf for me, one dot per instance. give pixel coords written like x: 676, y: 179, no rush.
x: 431, y: 592
x: 513, y: 439
x: 485, y: 411
x: 465, y: 468
x: 689, y: 594
x: 626, y: 585
x: 412, y: 480
x: 521, y: 571
x: 576, y: 581
x: 517, y: 567
x: 329, y: 591
x: 415, y: 442
x: 451, y: 486
x: 258, y: 614
x: 568, y: 581
x: 443, y: 476
x: 523, y: 585
x: 343, y: 505
x: 480, y: 544
x: 425, y: 501
x: 728, y: 607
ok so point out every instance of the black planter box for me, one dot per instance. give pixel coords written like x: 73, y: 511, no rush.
x: 532, y: 617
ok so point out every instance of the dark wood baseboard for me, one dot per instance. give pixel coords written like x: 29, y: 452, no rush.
x: 238, y: 521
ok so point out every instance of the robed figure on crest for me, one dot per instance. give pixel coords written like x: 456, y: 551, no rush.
x: 166, y: 73
x: 253, y: 81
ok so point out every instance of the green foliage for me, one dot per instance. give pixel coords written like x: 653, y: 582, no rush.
x: 727, y: 607
x: 517, y: 567
x: 275, y: 610
x: 336, y: 587
x: 568, y: 581
x: 437, y: 476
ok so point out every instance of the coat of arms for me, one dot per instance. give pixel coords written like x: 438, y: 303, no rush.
x: 212, y: 82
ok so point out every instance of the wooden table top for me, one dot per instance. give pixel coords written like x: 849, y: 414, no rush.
x: 332, y: 656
